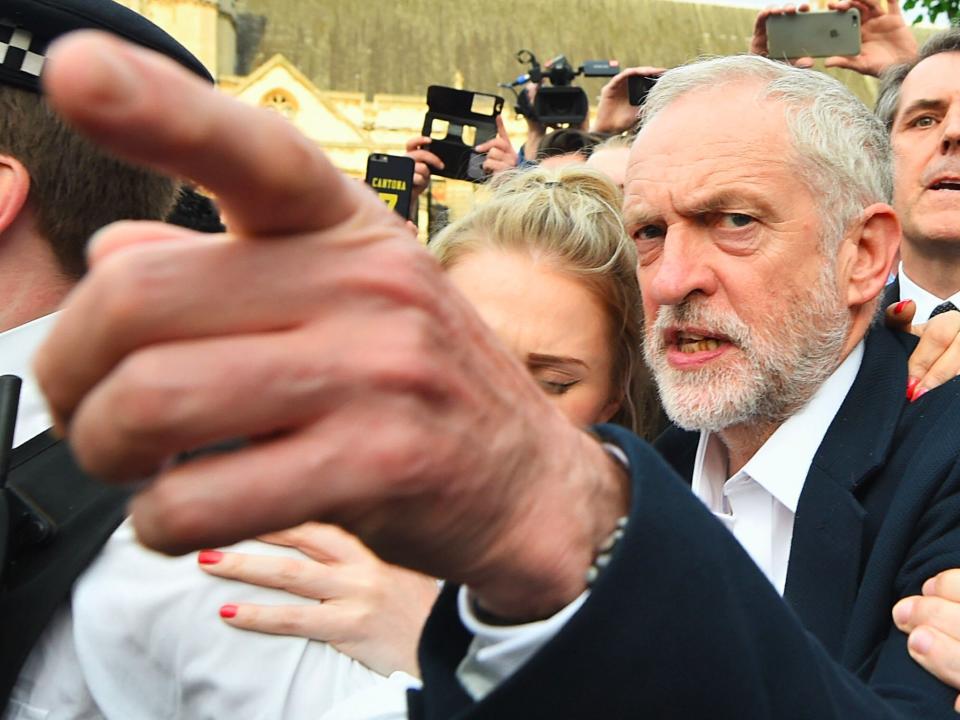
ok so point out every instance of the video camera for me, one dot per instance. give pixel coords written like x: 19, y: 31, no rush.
x: 560, y: 103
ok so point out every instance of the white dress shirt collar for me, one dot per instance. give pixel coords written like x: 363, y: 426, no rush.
x: 17, y: 347
x: 926, y: 301
x: 779, y: 467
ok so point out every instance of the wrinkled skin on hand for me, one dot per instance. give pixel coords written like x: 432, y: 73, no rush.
x: 372, y: 395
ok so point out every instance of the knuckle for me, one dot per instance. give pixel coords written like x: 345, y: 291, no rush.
x: 128, y: 285
x: 402, y: 453
x: 939, y: 335
x: 141, y: 408
x: 288, y: 572
x: 947, y: 584
x: 292, y: 619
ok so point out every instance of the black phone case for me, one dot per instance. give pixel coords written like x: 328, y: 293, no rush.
x: 391, y: 176
x: 455, y: 107
x: 638, y: 86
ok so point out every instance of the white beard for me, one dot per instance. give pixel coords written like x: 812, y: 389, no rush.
x: 777, y: 370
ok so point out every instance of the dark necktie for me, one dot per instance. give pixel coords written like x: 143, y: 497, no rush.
x: 942, y: 308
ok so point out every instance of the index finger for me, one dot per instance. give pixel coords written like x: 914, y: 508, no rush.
x: 148, y: 110
x: 502, y: 135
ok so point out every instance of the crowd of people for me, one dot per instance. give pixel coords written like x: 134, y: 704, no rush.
x: 666, y: 426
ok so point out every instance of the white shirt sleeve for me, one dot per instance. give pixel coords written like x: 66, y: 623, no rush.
x: 497, y: 652
x: 387, y: 701
x: 151, y: 644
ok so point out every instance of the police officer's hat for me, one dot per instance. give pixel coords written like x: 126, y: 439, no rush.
x: 27, y: 27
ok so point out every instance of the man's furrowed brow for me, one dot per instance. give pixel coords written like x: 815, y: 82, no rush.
x: 725, y: 201
x: 638, y: 214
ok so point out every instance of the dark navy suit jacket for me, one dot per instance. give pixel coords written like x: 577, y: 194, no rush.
x: 683, y: 625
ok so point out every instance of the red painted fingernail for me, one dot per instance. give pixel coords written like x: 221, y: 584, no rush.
x: 911, y: 386
x: 228, y: 611
x: 920, y: 392
x: 898, y: 308
x: 209, y: 557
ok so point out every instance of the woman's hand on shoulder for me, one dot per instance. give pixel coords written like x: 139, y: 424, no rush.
x: 936, y: 358
x: 366, y: 608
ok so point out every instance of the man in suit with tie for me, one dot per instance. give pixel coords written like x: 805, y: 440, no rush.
x: 919, y: 102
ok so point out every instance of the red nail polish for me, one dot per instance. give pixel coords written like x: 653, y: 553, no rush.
x: 911, y: 386
x: 228, y: 611
x: 212, y: 557
x: 919, y: 393
x: 898, y: 308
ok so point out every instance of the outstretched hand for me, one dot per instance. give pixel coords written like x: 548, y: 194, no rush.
x: 370, y: 393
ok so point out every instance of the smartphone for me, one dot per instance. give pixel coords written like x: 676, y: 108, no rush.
x: 815, y: 34
x: 638, y: 86
x: 391, y: 176
x: 456, y: 122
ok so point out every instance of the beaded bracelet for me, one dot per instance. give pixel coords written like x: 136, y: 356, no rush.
x: 606, y: 548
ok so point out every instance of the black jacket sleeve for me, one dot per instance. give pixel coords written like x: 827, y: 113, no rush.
x: 683, y: 625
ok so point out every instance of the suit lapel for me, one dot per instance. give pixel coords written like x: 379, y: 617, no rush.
x: 828, y: 534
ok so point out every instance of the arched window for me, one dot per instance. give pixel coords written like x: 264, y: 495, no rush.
x: 281, y: 101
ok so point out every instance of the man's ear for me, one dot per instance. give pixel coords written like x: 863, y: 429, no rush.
x: 14, y: 190
x: 870, y: 250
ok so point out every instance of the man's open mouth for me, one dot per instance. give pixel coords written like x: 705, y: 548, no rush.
x: 946, y: 184
x: 689, y: 342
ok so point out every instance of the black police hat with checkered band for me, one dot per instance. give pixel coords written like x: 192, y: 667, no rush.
x: 27, y: 27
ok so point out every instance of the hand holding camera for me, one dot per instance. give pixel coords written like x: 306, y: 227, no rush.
x: 615, y: 112
x: 499, y: 151
x: 423, y: 160
x: 884, y: 38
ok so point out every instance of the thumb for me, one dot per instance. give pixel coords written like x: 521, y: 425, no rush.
x: 899, y: 316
